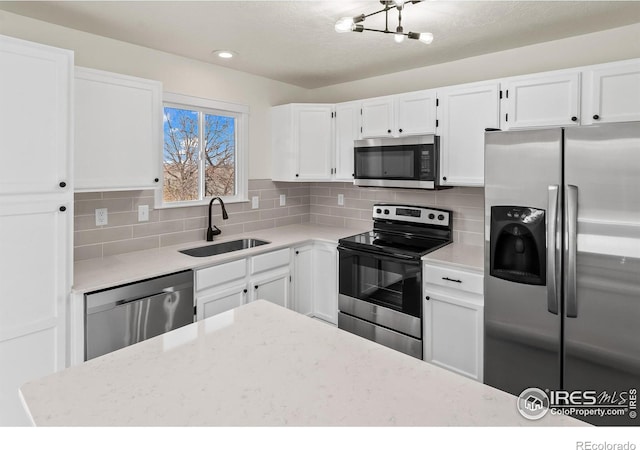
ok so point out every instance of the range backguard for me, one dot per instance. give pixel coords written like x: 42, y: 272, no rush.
x: 518, y: 244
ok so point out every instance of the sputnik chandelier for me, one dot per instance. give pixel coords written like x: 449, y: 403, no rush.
x: 347, y: 24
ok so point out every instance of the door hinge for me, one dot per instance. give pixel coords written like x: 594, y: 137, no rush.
x: 289, y: 278
x: 507, y: 93
x: 195, y: 310
x: 360, y: 129
x: 437, y: 102
x: 360, y: 111
x: 437, y: 122
x: 501, y: 94
x: 506, y: 117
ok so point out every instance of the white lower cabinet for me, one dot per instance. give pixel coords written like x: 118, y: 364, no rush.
x: 315, y: 281
x: 272, y: 286
x: 229, y: 285
x: 453, y: 325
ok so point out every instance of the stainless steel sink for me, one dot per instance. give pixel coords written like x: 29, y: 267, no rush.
x: 224, y: 247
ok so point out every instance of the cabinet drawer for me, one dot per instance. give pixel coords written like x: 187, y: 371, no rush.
x: 455, y: 279
x: 269, y: 261
x: 213, y: 276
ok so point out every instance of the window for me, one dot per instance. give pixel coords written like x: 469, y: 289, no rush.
x: 204, y: 151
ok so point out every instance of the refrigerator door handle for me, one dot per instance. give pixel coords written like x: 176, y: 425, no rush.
x: 570, y: 250
x: 553, y: 252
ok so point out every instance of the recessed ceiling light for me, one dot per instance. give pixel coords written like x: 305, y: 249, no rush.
x: 225, y: 54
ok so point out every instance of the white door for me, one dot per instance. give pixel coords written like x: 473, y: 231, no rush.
x: 547, y: 100
x: 273, y: 287
x: 416, y: 113
x: 614, y: 94
x: 325, y: 271
x: 118, y: 123
x: 34, y: 296
x: 303, y: 275
x: 35, y: 115
x: 313, y: 133
x: 378, y: 117
x: 221, y: 299
x: 464, y: 115
x: 453, y: 334
x: 347, y: 130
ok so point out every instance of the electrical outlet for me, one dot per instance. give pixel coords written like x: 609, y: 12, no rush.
x: 341, y: 199
x: 101, y: 217
x: 283, y: 199
x: 255, y: 202
x: 143, y: 213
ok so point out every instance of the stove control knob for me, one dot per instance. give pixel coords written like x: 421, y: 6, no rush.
x: 432, y: 216
x: 378, y: 211
x: 440, y: 216
x: 386, y: 211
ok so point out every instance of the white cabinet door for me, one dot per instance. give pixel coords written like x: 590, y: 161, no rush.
x: 35, y: 275
x: 35, y: 116
x: 612, y: 93
x: 223, y: 298
x: 378, y: 117
x: 325, y: 289
x: 303, y: 277
x: 453, y: 334
x: 272, y: 286
x: 464, y: 114
x: 416, y: 113
x: 347, y: 126
x: 118, y: 126
x: 545, y: 100
x: 312, y: 127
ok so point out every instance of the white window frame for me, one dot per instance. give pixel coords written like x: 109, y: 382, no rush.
x: 241, y: 114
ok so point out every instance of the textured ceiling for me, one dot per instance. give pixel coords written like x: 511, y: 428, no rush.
x: 294, y: 41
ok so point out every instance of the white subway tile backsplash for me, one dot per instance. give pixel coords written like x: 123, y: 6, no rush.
x: 306, y: 202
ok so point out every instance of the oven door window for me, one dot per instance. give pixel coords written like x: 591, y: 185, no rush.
x: 386, y: 162
x: 382, y: 280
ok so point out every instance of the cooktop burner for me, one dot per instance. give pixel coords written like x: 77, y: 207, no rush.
x: 404, y: 231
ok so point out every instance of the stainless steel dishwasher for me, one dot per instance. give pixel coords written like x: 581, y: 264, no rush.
x: 121, y: 316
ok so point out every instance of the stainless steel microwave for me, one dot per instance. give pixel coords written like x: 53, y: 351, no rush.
x: 407, y: 162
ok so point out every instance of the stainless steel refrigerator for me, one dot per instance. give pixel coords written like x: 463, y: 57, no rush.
x: 562, y: 260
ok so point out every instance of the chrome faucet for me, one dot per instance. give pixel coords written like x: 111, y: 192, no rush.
x: 211, y: 232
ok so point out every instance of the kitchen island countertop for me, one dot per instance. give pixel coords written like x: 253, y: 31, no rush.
x: 263, y: 365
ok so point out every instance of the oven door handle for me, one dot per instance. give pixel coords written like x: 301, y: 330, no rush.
x: 380, y: 255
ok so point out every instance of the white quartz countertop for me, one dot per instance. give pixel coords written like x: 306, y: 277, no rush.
x: 101, y: 273
x: 263, y: 365
x: 458, y: 255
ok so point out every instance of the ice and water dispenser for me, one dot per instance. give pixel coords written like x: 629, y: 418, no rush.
x: 518, y: 244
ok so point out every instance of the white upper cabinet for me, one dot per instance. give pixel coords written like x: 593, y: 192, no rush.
x: 302, y: 142
x: 347, y: 127
x: 399, y: 115
x: 464, y: 114
x: 541, y: 101
x: 35, y: 114
x: 416, y: 112
x: 611, y: 92
x: 378, y: 117
x: 118, y: 131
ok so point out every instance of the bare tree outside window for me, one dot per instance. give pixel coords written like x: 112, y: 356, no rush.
x: 199, y: 155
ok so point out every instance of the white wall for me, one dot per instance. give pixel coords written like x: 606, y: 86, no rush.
x: 178, y: 74
x: 594, y: 48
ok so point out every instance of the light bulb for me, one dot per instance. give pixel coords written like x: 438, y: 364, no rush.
x: 426, y: 38
x: 345, y: 25
x: 399, y: 3
x: 399, y: 38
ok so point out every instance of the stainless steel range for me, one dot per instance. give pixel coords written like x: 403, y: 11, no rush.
x: 380, y: 274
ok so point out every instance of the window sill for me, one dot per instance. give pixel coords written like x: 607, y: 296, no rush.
x: 198, y: 203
